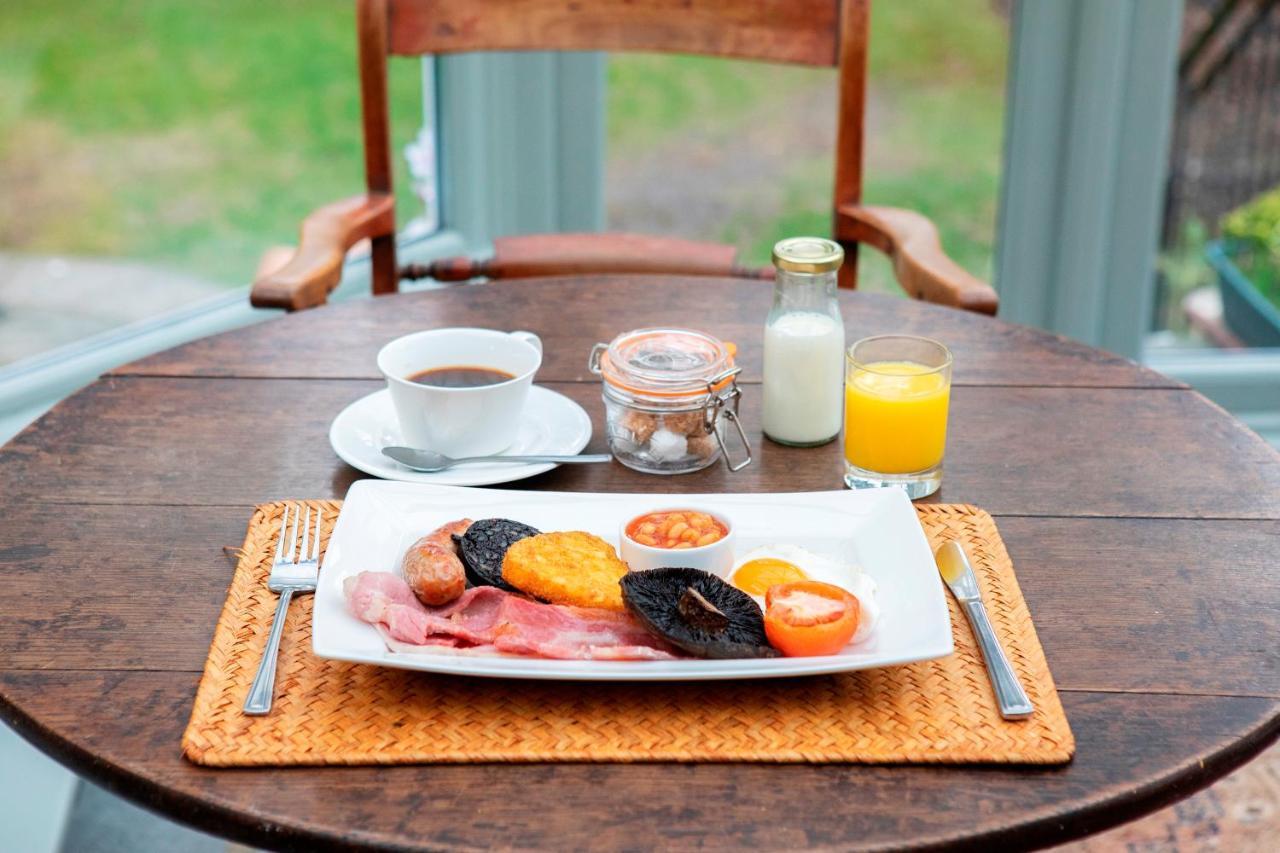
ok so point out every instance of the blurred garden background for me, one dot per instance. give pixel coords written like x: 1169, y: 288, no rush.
x: 166, y: 146
x: 742, y: 152
x: 148, y: 162
x: 190, y: 134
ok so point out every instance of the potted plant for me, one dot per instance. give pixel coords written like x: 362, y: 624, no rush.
x: 1247, y: 261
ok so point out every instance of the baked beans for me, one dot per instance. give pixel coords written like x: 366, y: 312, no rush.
x: 676, y: 529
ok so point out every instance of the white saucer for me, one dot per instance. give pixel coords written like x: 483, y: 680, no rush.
x: 550, y: 423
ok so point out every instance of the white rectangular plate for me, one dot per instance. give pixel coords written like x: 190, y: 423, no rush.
x: 877, y: 529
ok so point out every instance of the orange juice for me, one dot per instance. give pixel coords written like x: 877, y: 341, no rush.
x: 895, y: 416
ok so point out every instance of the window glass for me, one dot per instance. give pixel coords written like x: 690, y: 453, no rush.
x: 1219, y: 287
x: 151, y: 151
x: 741, y: 152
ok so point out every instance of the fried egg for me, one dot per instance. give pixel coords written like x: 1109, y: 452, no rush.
x: 767, y: 565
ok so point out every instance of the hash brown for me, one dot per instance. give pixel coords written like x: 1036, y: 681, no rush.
x: 567, y: 567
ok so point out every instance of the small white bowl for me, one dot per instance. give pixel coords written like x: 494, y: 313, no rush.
x: 716, y: 558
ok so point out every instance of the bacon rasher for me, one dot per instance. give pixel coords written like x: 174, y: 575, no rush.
x: 486, y: 619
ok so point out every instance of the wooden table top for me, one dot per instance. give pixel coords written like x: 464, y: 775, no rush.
x: 1142, y: 521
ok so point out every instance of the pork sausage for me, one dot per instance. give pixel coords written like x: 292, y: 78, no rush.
x: 432, y: 565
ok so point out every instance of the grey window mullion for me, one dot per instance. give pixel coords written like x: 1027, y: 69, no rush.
x: 1090, y: 108
x: 522, y: 138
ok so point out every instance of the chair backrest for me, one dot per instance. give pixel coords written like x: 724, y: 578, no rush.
x: 808, y: 32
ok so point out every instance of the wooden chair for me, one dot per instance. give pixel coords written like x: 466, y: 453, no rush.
x: 808, y: 32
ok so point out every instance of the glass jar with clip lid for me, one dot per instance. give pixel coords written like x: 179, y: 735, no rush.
x: 671, y: 400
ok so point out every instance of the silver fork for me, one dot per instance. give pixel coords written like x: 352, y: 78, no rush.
x: 298, y: 571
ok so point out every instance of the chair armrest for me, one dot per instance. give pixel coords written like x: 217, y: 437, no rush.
x: 316, y: 267
x: 534, y: 255
x: 911, y: 242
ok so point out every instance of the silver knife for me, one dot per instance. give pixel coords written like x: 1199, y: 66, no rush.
x: 953, y: 565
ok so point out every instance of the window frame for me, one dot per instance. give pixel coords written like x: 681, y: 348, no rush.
x: 1088, y: 123
x: 1090, y: 115
x: 554, y: 168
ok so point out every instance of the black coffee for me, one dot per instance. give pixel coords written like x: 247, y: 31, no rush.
x: 461, y: 376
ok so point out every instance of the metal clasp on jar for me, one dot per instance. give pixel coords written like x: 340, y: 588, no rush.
x: 593, y: 360
x: 725, y: 404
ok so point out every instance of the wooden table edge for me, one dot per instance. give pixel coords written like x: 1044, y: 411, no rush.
x: 140, y: 367
x: 226, y: 821
x: 124, y: 372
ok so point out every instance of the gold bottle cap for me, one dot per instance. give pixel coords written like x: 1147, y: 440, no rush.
x: 807, y: 254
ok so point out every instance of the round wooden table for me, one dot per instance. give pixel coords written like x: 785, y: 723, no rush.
x: 1142, y: 521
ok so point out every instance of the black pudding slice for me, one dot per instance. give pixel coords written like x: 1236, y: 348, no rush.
x: 485, y: 544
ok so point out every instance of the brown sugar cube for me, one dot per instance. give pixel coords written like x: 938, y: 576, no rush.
x: 685, y: 423
x: 641, y: 425
x: 703, y: 446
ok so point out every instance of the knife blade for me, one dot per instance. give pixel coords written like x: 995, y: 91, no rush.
x: 953, y: 565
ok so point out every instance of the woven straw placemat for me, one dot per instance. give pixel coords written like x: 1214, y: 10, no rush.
x: 330, y: 712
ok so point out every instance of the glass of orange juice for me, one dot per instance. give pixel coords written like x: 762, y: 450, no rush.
x: 897, y: 389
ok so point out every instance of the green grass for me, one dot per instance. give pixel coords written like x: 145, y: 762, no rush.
x: 936, y: 71
x: 198, y: 133
x: 954, y: 43
x: 951, y: 172
x: 652, y: 95
x: 194, y: 133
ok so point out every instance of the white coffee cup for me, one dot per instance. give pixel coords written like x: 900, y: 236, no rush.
x: 460, y: 421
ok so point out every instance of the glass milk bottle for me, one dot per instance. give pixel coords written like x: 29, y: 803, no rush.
x: 804, y: 345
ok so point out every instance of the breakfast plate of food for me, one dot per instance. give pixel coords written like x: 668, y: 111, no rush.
x: 627, y: 587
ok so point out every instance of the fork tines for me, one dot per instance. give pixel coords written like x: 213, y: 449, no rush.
x: 297, y: 559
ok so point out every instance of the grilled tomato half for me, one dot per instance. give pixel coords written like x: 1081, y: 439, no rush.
x: 809, y: 618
